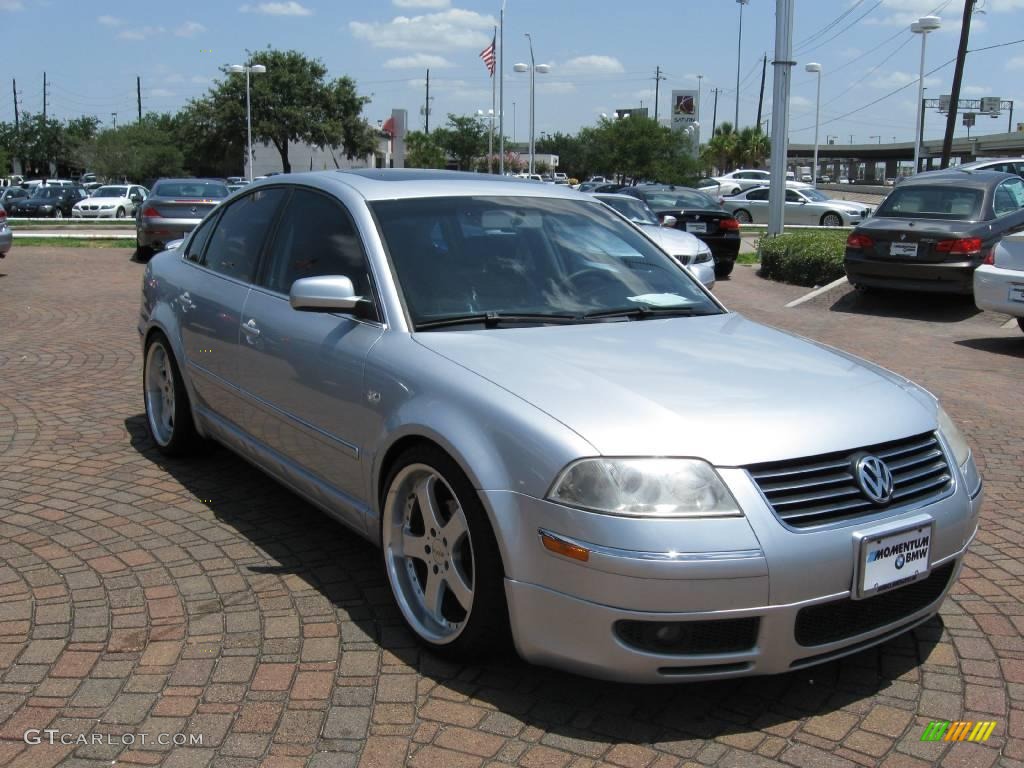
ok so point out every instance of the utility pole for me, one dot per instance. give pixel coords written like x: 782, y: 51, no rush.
x: 958, y: 74
x: 44, y: 96
x: 782, y: 65
x: 14, y: 90
x: 714, y: 114
x: 658, y: 77
x: 426, y: 107
x: 760, y: 99
x: 138, y: 95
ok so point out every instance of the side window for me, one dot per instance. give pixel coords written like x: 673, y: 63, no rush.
x: 237, y: 239
x: 194, y: 251
x: 757, y: 194
x: 316, y: 237
x: 1009, y: 197
x: 793, y: 197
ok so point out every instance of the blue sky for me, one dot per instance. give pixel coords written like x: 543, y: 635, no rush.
x: 603, y: 55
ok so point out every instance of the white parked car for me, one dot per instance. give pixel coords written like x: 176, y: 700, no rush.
x: 999, y: 281
x: 803, y: 206
x: 740, y: 181
x: 114, y: 201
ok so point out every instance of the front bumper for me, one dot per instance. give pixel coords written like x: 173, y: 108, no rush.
x: 78, y: 213
x: 992, y: 286
x: 569, y: 614
x: 941, y: 277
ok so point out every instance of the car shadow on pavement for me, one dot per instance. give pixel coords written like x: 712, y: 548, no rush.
x: 1012, y: 346
x: 291, y: 539
x: 908, y: 305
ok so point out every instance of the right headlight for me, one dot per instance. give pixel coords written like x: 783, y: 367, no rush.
x: 957, y: 442
x: 645, y: 487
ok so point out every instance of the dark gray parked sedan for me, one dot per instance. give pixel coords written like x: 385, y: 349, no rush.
x: 553, y: 432
x: 174, y: 208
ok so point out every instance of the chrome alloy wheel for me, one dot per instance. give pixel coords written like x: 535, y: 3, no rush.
x: 832, y: 220
x: 428, y: 552
x: 159, y: 385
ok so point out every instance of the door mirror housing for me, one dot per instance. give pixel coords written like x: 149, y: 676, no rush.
x: 668, y: 221
x: 327, y: 293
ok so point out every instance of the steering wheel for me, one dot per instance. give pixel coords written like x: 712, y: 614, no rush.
x: 589, y: 271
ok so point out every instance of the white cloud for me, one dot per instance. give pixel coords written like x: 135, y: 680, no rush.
x: 199, y: 80
x: 591, y: 65
x: 801, y: 103
x: 291, y: 8
x: 453, y: 28
x: 1017, y: 62
x: 422, y: 3
x: 418, y: 61
x: 110, y: 21
x: 968, y: 91
x: 159, y: 93
x: 896, y: 79
x: 140, y: 33
x: 189, y: 29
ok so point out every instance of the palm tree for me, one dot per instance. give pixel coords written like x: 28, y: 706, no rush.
x: 720, y: 151
x: 752, y: 148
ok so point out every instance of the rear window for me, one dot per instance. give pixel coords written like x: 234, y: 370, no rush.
x: 204, y: 190
x: 677, y: 198
x: 920, y: 202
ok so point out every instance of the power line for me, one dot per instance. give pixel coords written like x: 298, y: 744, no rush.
x: 828, y: 26
x: 841, y: 31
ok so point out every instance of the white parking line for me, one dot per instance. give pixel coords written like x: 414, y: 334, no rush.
x: 817, y: 292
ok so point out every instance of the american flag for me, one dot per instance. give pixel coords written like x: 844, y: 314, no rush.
x: 487, y: 54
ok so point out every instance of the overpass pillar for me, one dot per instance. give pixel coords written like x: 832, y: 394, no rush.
x: 869, y: 170
x: 891, y: 168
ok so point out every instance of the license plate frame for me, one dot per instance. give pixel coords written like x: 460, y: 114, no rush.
x: 903, y: 249
x: 697, y: 227
x: 1016, y: 294
x: 892, y: 567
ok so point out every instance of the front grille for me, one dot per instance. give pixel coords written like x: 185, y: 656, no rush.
x: 684, y: 260
x: 840, y: 619
x: 690, y: 637
x: 822, y: 489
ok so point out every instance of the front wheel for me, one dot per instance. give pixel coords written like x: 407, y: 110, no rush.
x: 120, y: 213
x: 441, y: 557
x: 168, y: 412
x: 58, y: 214
x: 831, y: 220
x: 743, y: 217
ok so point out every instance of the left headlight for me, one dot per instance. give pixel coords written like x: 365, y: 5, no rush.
x: 702, y: 257
x: 645, y: 487
x: 957, y: 442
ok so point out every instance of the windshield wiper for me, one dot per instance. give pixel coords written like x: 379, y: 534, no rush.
x: 494, y: 319
x: 643, y: 312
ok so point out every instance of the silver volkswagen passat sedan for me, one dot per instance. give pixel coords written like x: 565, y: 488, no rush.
x: 554, y: 433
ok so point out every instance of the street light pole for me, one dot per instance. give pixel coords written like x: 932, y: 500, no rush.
x: 922, y: 27
x: 255, y: 69
x: 533, y: 68
x: 816, y: 68
x: 739, y: 48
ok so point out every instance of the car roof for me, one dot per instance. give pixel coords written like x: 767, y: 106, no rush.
x: 981, y: 162
x: 955, y: 177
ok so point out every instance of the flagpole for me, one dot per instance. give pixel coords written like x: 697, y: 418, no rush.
x: 501, y: 90
x: 490, y: 133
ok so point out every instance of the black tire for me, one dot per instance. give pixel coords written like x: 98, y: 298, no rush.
x: 486, y: 626
x: 182, y: 439
x: 723, y: 268
x: 743, y: 216
x: 120, y: 213
x: 1020, y: 322
x: 142, y: 252
x: 837, y: 220
x: 58, y: 214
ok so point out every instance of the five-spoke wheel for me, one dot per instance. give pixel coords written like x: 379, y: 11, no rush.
x: 168, y: 413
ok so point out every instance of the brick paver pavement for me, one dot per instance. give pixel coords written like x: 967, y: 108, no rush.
x: 141, y: 596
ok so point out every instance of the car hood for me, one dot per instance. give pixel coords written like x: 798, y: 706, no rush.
x: 104, y: 200
x: 673, y: 241
x: 845, y: 205
x: 721, y: 387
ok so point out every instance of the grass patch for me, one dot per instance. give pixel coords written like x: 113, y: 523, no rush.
x: 748, y: 258
x: 72, y: 242
x: 808, y: 258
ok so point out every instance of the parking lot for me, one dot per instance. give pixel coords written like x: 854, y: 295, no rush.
x: 141, y: 596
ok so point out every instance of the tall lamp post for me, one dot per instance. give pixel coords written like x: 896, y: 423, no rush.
x: 255, y: 69
x: 815, y: 68
x: 488, y: 115
x: 739, y: 49
x: 922, y: 27
x: 532, y: 68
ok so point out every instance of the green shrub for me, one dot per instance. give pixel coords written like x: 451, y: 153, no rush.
x: 806, y: 258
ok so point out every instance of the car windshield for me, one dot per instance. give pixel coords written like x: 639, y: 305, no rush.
x: 191, y: 189
x: 938, y: 202
x: 527, y: 256
x: 47, y: 193
x: 679, y: 198
x: 633, y: 209
x: 111, y: 192
x: 815, y: 196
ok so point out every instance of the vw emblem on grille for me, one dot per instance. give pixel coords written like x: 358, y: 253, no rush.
x: 874, y: 479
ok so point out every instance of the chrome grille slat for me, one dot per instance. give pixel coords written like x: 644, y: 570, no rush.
x: 822, y: 489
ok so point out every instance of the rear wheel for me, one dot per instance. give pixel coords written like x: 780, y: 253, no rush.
x: 831, y: 219
x: 723, y: 268
x: 168, y: 411
x: 1020, y: 322
x: 142, y: 252
x: 441, y: 557
x: 743, y: 216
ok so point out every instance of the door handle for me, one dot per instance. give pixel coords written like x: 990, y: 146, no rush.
x: 250, y: 329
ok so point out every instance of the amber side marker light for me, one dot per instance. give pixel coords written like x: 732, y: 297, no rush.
x: 562, y: 547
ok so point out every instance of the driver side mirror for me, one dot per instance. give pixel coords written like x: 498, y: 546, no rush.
x: 327, y: 293
x: 668, y: 221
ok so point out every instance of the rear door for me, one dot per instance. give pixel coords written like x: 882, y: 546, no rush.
x: 757, y: 204
x: 302, y: 372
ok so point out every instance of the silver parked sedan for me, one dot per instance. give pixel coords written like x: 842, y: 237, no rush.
x: 689, y: 250
x: 553, y: 432
x: 803, y: 206
x: 999, y: 281
x: 173, y: 209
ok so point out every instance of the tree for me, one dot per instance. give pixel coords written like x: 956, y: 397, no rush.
x: 138, y: 151
x: 463, y: 138
x: 291, y: 101
x: 422, y: 151
x: 720, y: 151
x: 752, y: 147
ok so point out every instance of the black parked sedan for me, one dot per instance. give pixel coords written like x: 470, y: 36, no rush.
x: 48, y: 201
x: 932, y: 232
x: 698, y: 214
